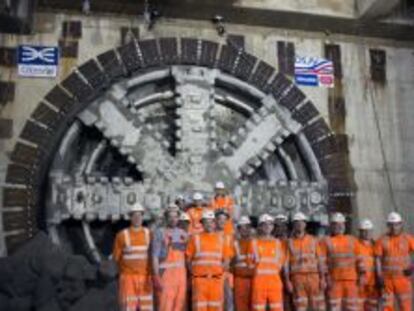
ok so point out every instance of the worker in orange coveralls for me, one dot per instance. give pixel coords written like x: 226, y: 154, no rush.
x: 243, y: 272
x: 342, y: 261
x: 207, y: 259
x: 368, y: 292
x: 222, y: 218
x: 306, y: 280
x: 222, y: 200
x: 131, y: 254
x: 281, y: 230
x: 195, y: 212
x: 394, y: 264
x: 268, y: 256
x: 184, y: 224
x: 168, y: 263
x: 184, y: 221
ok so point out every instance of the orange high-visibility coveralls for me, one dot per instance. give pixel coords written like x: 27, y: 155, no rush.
x: 243, y: 274
x: 394, y: 255
x: 368, y: 292
x: 228, y: 275
x: 342, y: 253
x: 268, y: 257
x: 172, y: 297
x: 131, y: 254
x: 226, y: 203
x: 305, y: 268
x: 206, y: 253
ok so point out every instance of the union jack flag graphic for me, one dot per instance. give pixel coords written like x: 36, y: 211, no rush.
x: 314, y: 71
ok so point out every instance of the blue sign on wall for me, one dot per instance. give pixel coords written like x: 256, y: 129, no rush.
x: 37, y: 61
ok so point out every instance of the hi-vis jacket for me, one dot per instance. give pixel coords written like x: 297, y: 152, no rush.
x: 207, y: 251
x: 131, y: 251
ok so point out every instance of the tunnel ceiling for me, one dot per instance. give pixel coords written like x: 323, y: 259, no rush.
x: 158, y: 117
x: 205, y: 10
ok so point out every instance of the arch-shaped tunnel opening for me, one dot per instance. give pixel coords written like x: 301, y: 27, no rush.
x: 159, y: 117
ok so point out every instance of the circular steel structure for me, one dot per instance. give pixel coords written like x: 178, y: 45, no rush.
x: 159, y: 117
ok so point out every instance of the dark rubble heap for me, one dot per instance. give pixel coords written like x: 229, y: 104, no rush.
x: 42, y: 277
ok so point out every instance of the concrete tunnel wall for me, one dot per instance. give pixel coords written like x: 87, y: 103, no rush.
x: 378, y: 116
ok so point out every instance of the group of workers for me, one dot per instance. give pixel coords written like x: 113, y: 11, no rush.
x: 198, y: 260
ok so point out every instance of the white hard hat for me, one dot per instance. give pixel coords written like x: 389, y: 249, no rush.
x: 366, y: 224
x: 299, y: 217
x: 172, y: 207
x: 220, y: 185
x: 281, y: 217
x: 338, y: 217
x: 137, y: 207
x: 197, y: 196
x: 265, y: 218
x: 244, y: 220
x: 179, y: 197
x: 394, y: 217
x: 184, y: 217
x: 208, y: 214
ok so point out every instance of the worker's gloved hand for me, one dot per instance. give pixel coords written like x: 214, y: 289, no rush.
x: 289, y: 286
x: 409, y: 271
x: 226, y: 266
x: 362, y: 280
x: 157, y: 282
x: 328, y: 283
x: 322, y: 284
x: 380, y: 282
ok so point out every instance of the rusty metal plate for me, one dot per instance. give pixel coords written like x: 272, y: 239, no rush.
x: 378, y: 65
x: 293, y: 98
x: 235, y: 41
x: 17, y: 174
x: 6, y: 128
x: 129, y: 56
x: 333, y: 53
x: 13, y: 242
x: 245, y: 65
x: 189, y: 51
x: 7, y: 91
x: 340, y: 185
x: 46, y: 115
x: 150, y: 53
x: 227, y: 58
x: 262, y: 75
x: 279, y: 85
x: 78, y: 88
x: 305, y: 113
x: 93, y: 74
x: 72, y: 29
x: 36, y: 134
x: 111, y: 64
x: 14, y: 220
x: 342, y: 204
x: 8, y: 56
x: 325, y: 147
x: 208, y: 53
x: 335, y: 165
x: 58, y: 98
x: 317, y: 130
x: 129, y: 34
x: 68, y: 48
x: 169, y: 50
x: 25, y: 155
x: 14, y: 197
x: 286, y: 57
